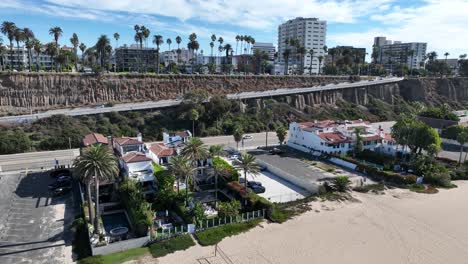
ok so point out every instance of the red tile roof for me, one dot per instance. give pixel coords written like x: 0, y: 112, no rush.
x: 334, y: 137
x: 389, y: 137
x: 160, y: 150
x: 319, y: 124
x: 127, y: 141
x: 182, y: 134
x: 372, y: 138
x: 135, y: 157
x: 94, y: 138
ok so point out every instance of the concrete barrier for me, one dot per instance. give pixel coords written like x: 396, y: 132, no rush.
x: 343, y: 163
x: 120, y: 246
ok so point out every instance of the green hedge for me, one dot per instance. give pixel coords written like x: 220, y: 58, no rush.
x: 387, y: 176
x: 162, y: 248
x: 136, y: 206
x: 215, y: 235
x: 232, y: 175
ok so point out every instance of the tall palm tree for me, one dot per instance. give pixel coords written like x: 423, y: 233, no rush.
x: 238, y: 135
x: 82, y: 48
x: 358, y: 141
x: 252, y: 41
x: 301, y: 51
x: 446, y: 54
x: 28, y: 35
x: 37, y: 46
x: 75, y: 42
x: 157, y: 40
x: 8, y: 28
x: 221, y: 41
x: 462, y: 138
x: 311, y: 53
x: 116, y: 37
x: 178, y: 40
x: 177, y: 166
x: 56, y: 32
x: 248, y: 165
x: 237, y: 42
x: 99, y: 163
x: 228, y: 49
x: 196, y: 152
x: 242, y: 38
x: 2, y: 51
x: 320, y: 59
x: 101, y: 47
x: 216, y: 150
x: 19, y: 37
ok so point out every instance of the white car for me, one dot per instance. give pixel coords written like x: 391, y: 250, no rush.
x: 247, y: 137
x: 234, y: 157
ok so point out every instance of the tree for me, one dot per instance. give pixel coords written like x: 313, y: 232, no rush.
x: 75, y: 42
x: 178, y: 41
x: 320, y: 59
x: 248, y: 165
x: 195, y: 151
x: 8, y: 28
x: 216, y: 150
x: 116, y: 37
x: 51, y: 50
x: 157, y: 40
x: 28, y: 36
x: 341, y: 183
x: 19, y: 37
x: 238, y: 135
x: 281, y: 133
x: 2, y: 51
x: 237, y: 42
x: 102, y: 44
x: 193, y: 116
x: 82, y: 48
x: 182, y: 170
x: 462, y: 138
x: 446, y: 54
x: 311, y: 53
x: 358, y: 141
x: 98, y: 163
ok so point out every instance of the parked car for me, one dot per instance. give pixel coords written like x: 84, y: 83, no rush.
x: 250, y: 184
x: 258, y: 189
x: 234, y: 157
x: 276, y: 151
x: 61, y: 191
x: 64, y: 178
x: 263, y: 168
x: 60, y: 172
x: 59, y: 184
x: 247, y: 137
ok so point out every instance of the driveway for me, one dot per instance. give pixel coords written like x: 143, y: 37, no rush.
x: 34, y: 227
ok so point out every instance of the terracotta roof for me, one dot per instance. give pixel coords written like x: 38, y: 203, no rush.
x: 334, y: 137
x: 319, y: 124
x: 135, y: 157
x: 389, y: 137
x: 372, y: 138
x: 182, y: 134
x: 160, y: 150
x: 127, y: 141
x: 94, y: 138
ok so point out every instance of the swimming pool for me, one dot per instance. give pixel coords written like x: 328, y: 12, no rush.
x: 114, y: 220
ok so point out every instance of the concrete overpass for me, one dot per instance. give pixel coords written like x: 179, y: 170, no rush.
x: 170, y: 103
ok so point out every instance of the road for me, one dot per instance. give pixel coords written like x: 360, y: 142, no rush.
x: 46, y: 159
x: 169, y: 103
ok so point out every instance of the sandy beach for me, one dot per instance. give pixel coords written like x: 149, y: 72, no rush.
x: 398, y: 227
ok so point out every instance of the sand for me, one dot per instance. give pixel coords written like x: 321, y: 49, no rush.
x: 398, y: 227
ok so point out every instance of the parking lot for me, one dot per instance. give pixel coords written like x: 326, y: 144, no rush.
x: 34, y: 227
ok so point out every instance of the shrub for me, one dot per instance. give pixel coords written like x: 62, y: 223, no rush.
x: 229, y: 209
x: 238, y: 188
x: 215, y: 235
x: 81, y: 241
x: 137, y: 207
x: 370, y: 187
x: 222, y: 165
x: 162, y: 248
x: 98, y: 259
x: 375, y: 157
x: 278, y: 214
x: 438, y: 179
x: 458, y: 174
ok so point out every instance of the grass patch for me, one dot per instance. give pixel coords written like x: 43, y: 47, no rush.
x: 375, y: 188
x: 427, y: 189
x: 335, y: 196
x: 116, y: 258
x: 160, y: 249
x: 215, y: 235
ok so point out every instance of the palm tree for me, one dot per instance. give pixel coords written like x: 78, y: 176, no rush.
x: 102, y: 44
x: 221, y: 41
x: 242, y: 38
x: 82, y: 48
x: 2, y: 51
x: 37, y: 46
x: 237, y: 42
x: 252, y: 41
x: 311, y: 53
x: 238, y: 135
x: 8, y: 28
x: 212, y: 46
x: 301, y: 51
x: 99, y: 163
x: 116, y: 37
x: 320, y: 59
x: 28, y: 37
x: 178, y: 40
x: 358, y: 142
x: 216, y: 150
x: 57, y: 33
x: 75, y: 42
x: 332, y: 52
x: 248, y: 165
x: 193, y: 116
x: 169, y: 42
x: 228, y: 49
x: 446, y: 54
x: 19, y: 37
x: 196, y: 152
x: 177, y: 167
x: 157, y: 40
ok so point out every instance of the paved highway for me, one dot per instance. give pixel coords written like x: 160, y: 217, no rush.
x: 46, y: 159
x: 168, y: 103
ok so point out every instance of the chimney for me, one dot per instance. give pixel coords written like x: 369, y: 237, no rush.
x: 110, y: 142
x: 140, y: 137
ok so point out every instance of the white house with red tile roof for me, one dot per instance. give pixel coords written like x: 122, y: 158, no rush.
x: 160, y: 153
x: 94, y: 139
x: 338, y: 137
x: 177, y: 137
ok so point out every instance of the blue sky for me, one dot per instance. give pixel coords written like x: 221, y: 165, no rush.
x: 441, y: 23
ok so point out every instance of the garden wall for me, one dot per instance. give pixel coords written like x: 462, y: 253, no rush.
x: 120, y: 246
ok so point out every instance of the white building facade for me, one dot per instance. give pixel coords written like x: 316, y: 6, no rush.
x: 391, y: 53
x: 19, y: 58
x: 265, y: 47
x: 311, y: 34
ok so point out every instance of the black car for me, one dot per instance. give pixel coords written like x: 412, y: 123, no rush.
x: 59, y: 184
x: 250, y: 184
x: 61, y: 191
x: 276, y: 151
x: 64, y: 178
x: 258, y: 189
x: 60, y: 172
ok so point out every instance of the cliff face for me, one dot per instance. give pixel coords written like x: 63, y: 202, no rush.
x: 48, y: 91
x: 435, y: 91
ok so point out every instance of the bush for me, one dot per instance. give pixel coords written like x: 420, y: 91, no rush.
x: 278, y: 214
x: 81, y: 241
x: 229, y: 209
x: 215, y: 235
x: 137, y: 207
x: 98, y: 259
x: 370, y: 187
x: 238, y: 188
x: 387, y: 176
x: 438, y: 179
x: 375, y: 157
x: 221, y: 165
x: 341, y: 183
x: 162, y: 248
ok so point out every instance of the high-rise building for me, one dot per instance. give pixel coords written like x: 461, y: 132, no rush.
x: 266, y: 47
x: 393, y: 53
x: 311, y: 34
x: 134, y: 58
x: 18, y: 58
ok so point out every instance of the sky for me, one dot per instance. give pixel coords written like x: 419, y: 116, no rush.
x: 440, y: 23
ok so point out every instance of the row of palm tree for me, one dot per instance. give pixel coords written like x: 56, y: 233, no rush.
x: 295, y: 49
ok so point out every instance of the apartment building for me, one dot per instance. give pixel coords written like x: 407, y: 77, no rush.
x: 311, y: 34
x: 391, y: 53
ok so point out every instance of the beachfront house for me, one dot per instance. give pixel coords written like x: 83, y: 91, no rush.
x: 177, y: 137
x: 339, y: 137
x: 161, y: 154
